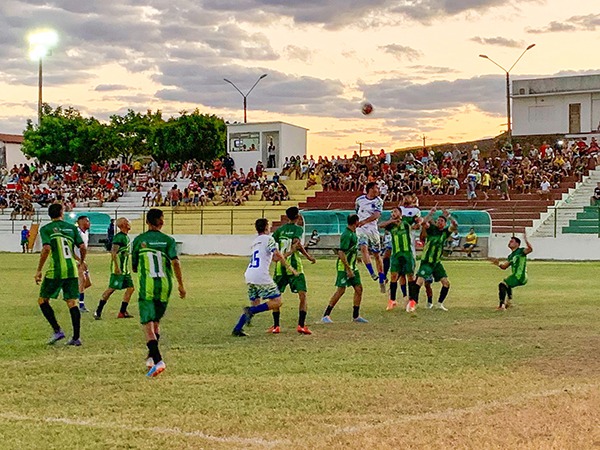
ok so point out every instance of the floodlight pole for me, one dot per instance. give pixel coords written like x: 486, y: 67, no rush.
x: 245, y: 96
x: 40, y: 92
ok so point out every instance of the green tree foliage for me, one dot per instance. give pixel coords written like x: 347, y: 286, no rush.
x: 65, y: 136
x: 190, y: 136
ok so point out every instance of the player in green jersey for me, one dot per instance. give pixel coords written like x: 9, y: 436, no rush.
x: 347, y: 273
x: 59, y: 240
x: 289, y: 241
x: 517, y: 261
x: 120, y: 276
x: 402, y: 260
x: 154, y: 259
x: 431, y: 264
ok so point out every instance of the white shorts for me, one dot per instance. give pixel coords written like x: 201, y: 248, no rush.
x: 370, y: 238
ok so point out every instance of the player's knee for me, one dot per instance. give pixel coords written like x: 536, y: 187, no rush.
x: 502, y: 287
x: 358, y: 289
x: 41, y: 301
x: 446, y: 283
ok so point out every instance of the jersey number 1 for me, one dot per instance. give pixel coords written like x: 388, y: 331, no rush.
x: 255, y: 261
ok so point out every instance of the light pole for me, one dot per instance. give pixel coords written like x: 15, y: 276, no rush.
x: 248, y: 93
x: 507, y: 72
x: 40, y: 45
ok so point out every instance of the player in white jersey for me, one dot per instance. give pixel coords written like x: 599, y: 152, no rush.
x: 259, y: 280
x: 369, y: 208
x: 83, y: 226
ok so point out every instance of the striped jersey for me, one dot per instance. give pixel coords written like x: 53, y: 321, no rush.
x: 122, y: 241
x: 401, y: 236
x: 518, y: 263
x: 284, y: 237
x: 434, y: 244
x: 263, y: 248
x: 63, y: 238
x: 151, y: 255
x: 349, y: 245
x: 365, y: 208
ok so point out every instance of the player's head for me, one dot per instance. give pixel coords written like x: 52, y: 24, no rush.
x: 396, y: 213
x: 155, y: 218
x: 123, y: 224
x: 353, y: 221
x: 83, y: 222
x: 262, y: 226
x: 441, y: 222
x: 292, y: 213
x: 24, y: 227
x: 514, y: 243
x: 55, y: 211
x: 372, y: 189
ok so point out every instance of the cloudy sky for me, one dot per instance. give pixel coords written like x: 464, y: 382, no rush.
x: 416, y: 61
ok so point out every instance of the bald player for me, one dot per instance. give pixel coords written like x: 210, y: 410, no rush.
x: 120, y: 275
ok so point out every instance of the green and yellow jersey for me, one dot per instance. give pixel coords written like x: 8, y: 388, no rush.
x: 434, y: 244
x: 518, y: 263
x: 401, y: 236
x: 122, y: 241
x: 349, y: 245
x: 284, y: 237
x: 62, y: 237
x: 151, y: 255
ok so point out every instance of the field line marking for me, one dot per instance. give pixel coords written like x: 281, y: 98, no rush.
x: 135, y: 428
x: 477, y: 408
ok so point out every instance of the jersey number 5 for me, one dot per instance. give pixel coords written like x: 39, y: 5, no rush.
x: 255, y: 261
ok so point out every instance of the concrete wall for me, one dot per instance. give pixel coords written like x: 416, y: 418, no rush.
x: 14, y: 155
x: 577, y: 247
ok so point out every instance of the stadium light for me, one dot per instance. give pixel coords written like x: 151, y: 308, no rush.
x: 247, y: 94
x: 41, y: 44
x: 507, y: 72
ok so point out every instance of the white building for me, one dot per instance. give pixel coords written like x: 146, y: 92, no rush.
x: 563, y: 105
x: 10, y: 151
x: 248, y: 143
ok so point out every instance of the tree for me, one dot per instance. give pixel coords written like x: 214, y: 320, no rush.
x: 190, y: 136
x: 132, y: 133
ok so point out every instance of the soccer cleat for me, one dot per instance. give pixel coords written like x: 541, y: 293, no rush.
x: 97, y: 316
x: 238, y: 333
x: 303, y: 330
x: 382, y: 288
x: 360, y: 320
x: 501, y: 308
x: 326, y: 319
x: 82, y: 308
x: 374, y: 276
x: 429, y: 305
x: 124, y: 315
x: 508, y: 302
x: 74, y: 342
x: 149, y: 363
x: 56, y: 337
x: 156, y: 369
x: 274, y: 330
x: 411, y: 307
x: 391, y: 305
x: 442, y: 307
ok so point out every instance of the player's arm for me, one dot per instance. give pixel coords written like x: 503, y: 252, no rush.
x: 503, y: 265
x: 278, y: 257
x: 178, y: 276
x: 135, y: 257
x: 528, y: 246
x: 372, y: 218
x: 83, y: 253
x: 389, y: 222
x: 428, y: 217
x: 43, y: 257
x: 298, y: 244
x: 344, y: 259
x: 114, y: 252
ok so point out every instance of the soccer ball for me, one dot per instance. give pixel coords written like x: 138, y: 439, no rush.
x: 367, y: 108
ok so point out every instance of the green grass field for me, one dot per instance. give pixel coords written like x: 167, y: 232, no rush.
x: 468, y: 378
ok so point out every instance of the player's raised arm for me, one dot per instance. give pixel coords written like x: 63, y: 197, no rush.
x: 529, y: 247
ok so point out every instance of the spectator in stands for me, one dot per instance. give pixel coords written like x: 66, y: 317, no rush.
x: 544, y: 191
x: 595, y: 200
x: 271, y: 164
x: 470, y: 242
x: 229, y: 164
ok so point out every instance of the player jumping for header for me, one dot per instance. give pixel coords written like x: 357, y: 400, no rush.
x: 517, y: 261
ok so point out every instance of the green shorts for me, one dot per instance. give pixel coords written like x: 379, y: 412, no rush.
x: 51, y: 288
x: 436, y: 270
x: 24, y: 242
x: 151, y: 310
x: 402, y: 263
x: 264, y: 291
x: 296, y: 283
x: 513, y: 281
x: 120, y: 281
x: 342, y: 279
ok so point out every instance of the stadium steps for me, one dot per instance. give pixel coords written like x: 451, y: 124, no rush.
x: 586, y: 222
x: 572, y: 203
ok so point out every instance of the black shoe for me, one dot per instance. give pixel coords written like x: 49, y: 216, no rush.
x: 74, y: 342
x: 97, y: 316
x: 238, y: 333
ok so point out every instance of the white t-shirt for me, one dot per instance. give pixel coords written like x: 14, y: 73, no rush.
x: 263, y: 248
x: 85, y: 237
x: 545, y: 186
x: 365, y: 208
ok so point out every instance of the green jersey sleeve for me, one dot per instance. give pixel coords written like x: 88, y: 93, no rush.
x: 172, y: 249
x: 45, y: 235
x: 135, y: 254
x: 345, y: 242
